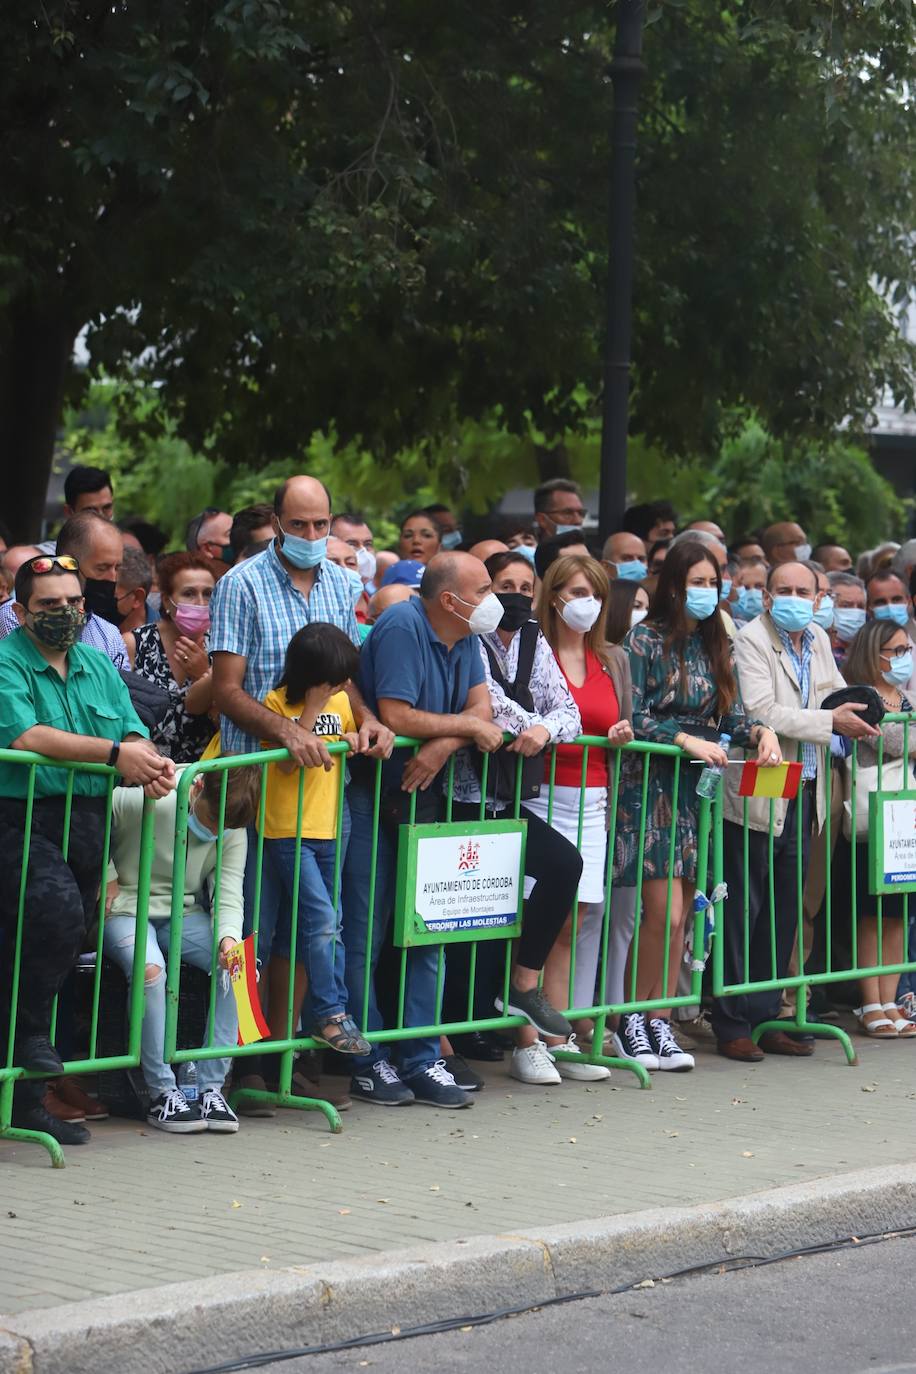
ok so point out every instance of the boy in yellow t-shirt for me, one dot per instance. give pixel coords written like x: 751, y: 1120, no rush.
x: 320, y: 660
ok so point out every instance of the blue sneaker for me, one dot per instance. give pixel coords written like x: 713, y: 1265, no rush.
x: 437, y: 1088
x: 379, y: 1083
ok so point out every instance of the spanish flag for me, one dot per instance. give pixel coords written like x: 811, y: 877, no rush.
x: 243, y: 974
x: 781, y: 781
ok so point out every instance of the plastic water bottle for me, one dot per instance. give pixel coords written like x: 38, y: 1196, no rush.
x: 709, y: 778
x: 187, y: 1081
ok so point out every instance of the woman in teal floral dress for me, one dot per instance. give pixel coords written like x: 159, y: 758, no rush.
x: 685, y: 692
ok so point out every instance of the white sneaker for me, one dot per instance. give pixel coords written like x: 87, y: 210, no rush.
x: 579, y: 1068
x: 670, y: 1054
x: 534, y: 1064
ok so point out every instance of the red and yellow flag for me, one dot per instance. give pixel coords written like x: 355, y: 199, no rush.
x: 243, y: 974
x: 781, y: 781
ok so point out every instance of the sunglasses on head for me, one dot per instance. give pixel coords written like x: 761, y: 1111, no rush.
x: 45, y: 563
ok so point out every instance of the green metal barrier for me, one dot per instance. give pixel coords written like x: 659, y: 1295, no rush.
x: 12, y: 950
x: 840, y: 926
x: 596, y: 1010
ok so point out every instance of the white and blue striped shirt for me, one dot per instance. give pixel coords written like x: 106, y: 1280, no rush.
x: 98, y: 634
x: 255, y: 611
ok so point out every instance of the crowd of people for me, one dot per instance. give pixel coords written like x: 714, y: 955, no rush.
x: 282, y: 626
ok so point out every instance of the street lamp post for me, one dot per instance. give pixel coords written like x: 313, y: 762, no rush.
x: 626, y: 72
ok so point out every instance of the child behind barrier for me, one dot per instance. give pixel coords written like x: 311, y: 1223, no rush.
x: 320, y: 661
x: 169, y: 1109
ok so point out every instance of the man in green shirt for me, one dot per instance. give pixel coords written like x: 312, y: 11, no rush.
x: 66, y: 701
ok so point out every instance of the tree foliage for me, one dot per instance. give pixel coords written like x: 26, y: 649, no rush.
x: 384, y: 220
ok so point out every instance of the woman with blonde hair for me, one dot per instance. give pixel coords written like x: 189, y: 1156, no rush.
x: 572, y: 613
x: 880, y: 656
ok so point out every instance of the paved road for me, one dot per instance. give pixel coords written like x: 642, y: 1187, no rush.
x: 841, y: 1313
x: 286, y: 1192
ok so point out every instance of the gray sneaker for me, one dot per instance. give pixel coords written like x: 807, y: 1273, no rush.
x: 537, y: 1010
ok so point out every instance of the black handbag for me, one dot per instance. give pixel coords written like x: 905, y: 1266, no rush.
x: 150, y: 701
x: 502, y: 769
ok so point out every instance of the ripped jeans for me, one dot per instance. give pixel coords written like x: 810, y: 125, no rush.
x: 196, y: 949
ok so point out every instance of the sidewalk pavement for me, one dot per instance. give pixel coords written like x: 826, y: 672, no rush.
x: 137, y: 1209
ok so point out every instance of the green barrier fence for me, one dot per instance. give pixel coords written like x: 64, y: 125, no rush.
x: 605, y: 987
x: 15, y: 927
x: 817, y: 924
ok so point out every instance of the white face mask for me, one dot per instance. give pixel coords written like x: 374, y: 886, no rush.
x: 637, y: 617
x: 485, y: 616
x: 580, y: 613
x: 365, y: 561
x: 802, y: 552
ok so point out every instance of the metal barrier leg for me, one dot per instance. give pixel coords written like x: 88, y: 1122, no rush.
x: 800, y: 1022
x: 285, y: 1097
x: 8, y: 1132
x: 607, y: 1061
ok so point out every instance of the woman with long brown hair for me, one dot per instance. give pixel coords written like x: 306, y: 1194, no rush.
x: 572, y: 611
x: 685, y: 692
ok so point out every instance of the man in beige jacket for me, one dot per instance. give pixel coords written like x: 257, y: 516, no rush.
x: 785, y: 667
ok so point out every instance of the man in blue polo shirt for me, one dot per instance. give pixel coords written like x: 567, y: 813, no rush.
x: 422, y: 673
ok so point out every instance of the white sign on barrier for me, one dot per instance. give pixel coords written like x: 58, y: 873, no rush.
x: 469, y: 882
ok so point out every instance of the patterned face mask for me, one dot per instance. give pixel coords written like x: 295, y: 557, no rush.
x: 59, y: 628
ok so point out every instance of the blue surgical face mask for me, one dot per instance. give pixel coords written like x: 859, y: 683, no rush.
x: 356, y: 584
x: 750, y: 602
x: 823, y: 616
x: 452, y: 539
x: 566, y: 529
x: 897, y: 613
x: 303, y: 553
x: 527, y: 551
x: 847, y: 622
x: 726, y: 588
x: 900, y: 671
x: 632, y: 570
x: 792, y: 613
x: 702, y: 601
x: 199, y: 831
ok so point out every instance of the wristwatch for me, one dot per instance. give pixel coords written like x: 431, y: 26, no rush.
x: 115, y: 751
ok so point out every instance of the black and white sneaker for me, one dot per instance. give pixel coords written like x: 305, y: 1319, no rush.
x: 437, y: 1088
x: 631, y: 1041
x: 670, y: 1054
x: 379, y: 1083
x: 173, y: 1112
x: 467, y: 1078
x: 216, y: 1113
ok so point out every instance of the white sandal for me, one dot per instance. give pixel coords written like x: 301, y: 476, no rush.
x: 904, y: 1028
x: 881, y: 1029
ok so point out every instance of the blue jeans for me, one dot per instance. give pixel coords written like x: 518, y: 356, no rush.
x: 318, y: 937
x: 422, y: 963
x: 196, y: 949
x: 276, y: 899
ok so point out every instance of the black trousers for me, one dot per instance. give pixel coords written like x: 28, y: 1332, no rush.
x: 60, y: 900
x: 556, y: 866
x: 733, y: 1018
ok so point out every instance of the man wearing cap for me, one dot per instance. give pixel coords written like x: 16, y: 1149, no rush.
x: 785, y: 668
x: 406, y: 572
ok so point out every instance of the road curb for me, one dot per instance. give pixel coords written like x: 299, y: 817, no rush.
x: 185, y: 1327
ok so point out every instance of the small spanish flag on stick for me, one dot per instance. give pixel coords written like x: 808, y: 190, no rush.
x: 781, y: 781
x: 243, y: 974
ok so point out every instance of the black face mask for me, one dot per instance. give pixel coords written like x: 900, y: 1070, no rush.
x: 516, y: 608
x: 100, y: 600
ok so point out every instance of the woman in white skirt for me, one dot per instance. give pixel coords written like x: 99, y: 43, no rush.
x: 573, y: 612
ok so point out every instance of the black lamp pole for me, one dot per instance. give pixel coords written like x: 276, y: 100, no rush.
x: 626, y: 72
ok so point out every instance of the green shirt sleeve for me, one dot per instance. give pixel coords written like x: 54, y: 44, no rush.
x: 17, y: 703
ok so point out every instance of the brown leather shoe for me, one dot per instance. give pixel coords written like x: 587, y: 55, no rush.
x: 60, y: 1110
x: 69, y: 1091
x: 323, y: 1088
x: 743, y: 1049
x: 777, y: 1042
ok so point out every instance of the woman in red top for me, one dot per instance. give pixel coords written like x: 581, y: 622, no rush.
x: 572, y: 612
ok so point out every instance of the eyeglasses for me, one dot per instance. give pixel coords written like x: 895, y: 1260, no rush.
x: 578, y: 511
x: 45, y: 563
x: 901, y: 651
